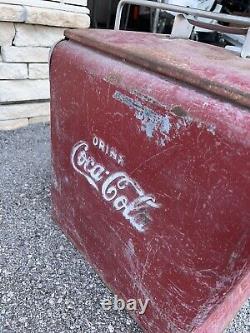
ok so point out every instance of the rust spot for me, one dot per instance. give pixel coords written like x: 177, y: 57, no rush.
x: 178, y: 111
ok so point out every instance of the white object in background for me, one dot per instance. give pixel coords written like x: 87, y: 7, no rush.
x: 245, y: 52
x: 181, y: 28
x: 200, y: 4
x: 241, y: 44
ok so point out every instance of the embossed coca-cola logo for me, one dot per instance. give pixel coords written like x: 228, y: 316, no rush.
x: 121, y: 191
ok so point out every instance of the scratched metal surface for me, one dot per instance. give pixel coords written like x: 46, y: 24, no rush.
x: 157, y: 173
x: 204, y: 66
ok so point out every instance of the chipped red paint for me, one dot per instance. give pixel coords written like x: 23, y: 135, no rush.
x: 151, y: 175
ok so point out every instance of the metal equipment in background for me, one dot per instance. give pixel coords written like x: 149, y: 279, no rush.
x: 188, y: 18
x: 156, y: 19
x: 199, y: 4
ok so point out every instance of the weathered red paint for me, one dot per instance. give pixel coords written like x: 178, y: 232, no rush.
x: 185, y: 143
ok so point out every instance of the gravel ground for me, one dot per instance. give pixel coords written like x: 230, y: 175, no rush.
x: 45, y: 284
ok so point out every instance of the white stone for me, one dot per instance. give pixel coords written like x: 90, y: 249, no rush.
x: 56, y: 18
x: 10, y: 71
x: 24, y: 90
x: 11, y: 13
x: 37, y: 35
x: 7, y: 33
x: 43, y: 119
x: 25, y: 54
x: 8, y: 125
x: 25, y: 110
x: 49, y: 4
x: 73, y: 2
x: 38, y: 71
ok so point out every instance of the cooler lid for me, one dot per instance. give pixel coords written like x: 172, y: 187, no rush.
x: 207, y: 67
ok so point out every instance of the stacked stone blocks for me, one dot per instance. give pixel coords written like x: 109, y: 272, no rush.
x: 28, y: 29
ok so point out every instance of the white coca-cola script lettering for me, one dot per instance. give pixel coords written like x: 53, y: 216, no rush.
x: 124, y: 193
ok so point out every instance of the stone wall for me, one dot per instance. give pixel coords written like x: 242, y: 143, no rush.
x: 28, y: 28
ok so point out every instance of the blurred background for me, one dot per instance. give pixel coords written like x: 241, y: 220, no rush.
x: 142, y: 19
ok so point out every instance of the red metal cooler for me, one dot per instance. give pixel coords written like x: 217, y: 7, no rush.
x: 151, y: 171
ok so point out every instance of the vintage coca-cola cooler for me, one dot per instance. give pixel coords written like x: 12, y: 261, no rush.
x: 151, y: 171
